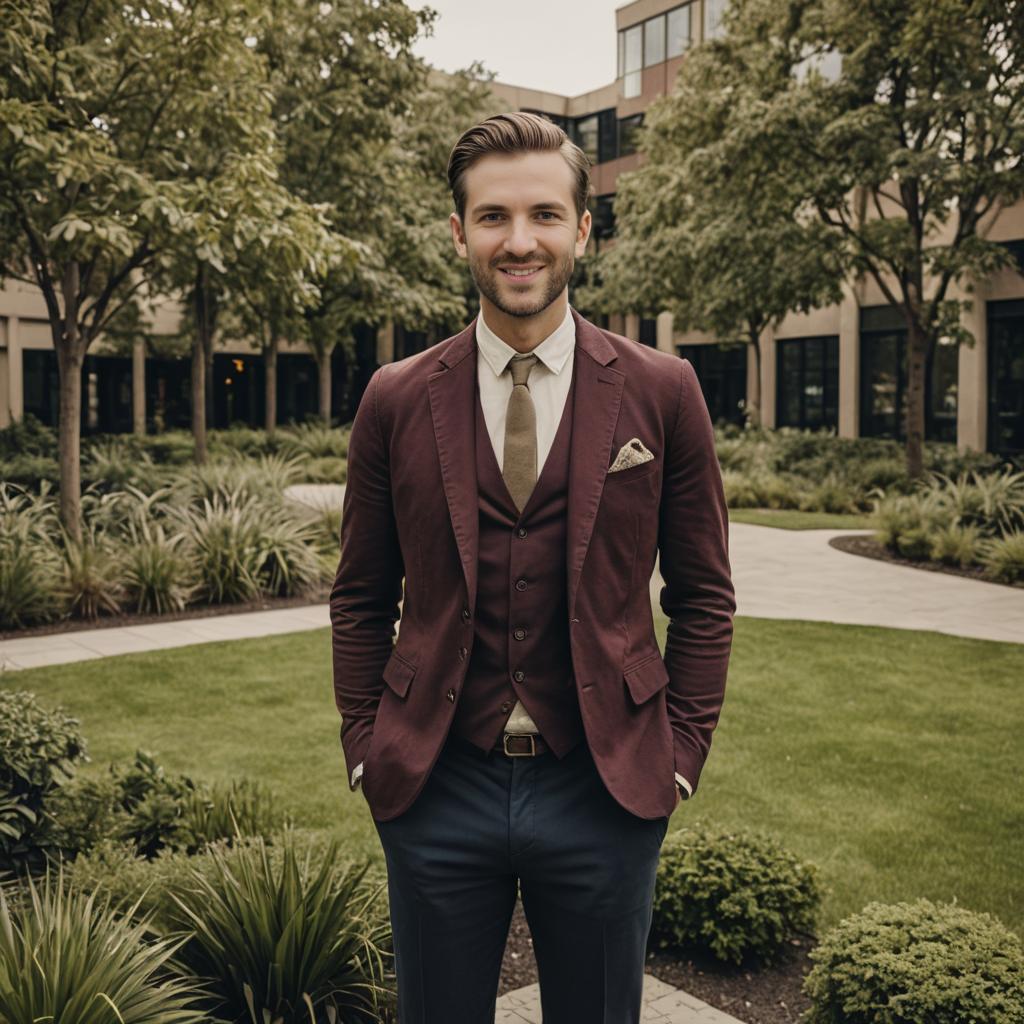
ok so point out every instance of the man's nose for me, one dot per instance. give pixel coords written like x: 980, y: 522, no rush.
x: 521, y: 240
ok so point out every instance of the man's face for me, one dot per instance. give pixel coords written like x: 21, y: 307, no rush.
x: 520, y: 216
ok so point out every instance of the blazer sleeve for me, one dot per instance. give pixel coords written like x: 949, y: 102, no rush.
x: 367, y: 590
x: 698, y: 597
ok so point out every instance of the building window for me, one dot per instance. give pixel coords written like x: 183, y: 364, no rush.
x: 722, y: 372
x: 883, y: 376
x: 654, y: 40
x: 1006, y: 377
x: 714, y: 18
x: 562, y: 122
x: 632, y: 61
x: 679, y: 31
x: 807, y: 383
x: 628, y: 133
x: 603, y: 215
x: 587, y: 136
x: 649, y: 331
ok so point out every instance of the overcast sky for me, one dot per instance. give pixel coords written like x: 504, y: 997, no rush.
x: 563, y: 46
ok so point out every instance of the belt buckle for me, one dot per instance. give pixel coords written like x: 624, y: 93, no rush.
x: 515, y: 753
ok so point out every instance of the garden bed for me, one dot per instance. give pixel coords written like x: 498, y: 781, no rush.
x: 770, y: 995
x: 869, y: 547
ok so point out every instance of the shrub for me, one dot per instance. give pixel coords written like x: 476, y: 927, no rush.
x: 30, y: 470
x: 224, y: 813
x: 314, y: 440
x: 326, y: 470
x: 955, y: 545
x: 830, y: 494
x: 906, y: 521
x: 155, y: 576
x: 91, y: 582
x: 277, y: 942
x: 1003, y: 557
x: 38, y: 753
x: 171, y: 447
x: 731, y: 894
x: 27, y: 436
x: 68, y: 957
x: 916, y: 963
x: 29, y: 558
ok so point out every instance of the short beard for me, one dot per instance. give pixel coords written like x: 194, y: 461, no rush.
x: 486, y: 279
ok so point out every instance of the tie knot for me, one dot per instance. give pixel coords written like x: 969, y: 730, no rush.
x: 521, y: 367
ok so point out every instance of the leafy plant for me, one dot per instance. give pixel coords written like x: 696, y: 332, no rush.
x: 733, y: 894
x: 91, y: 582
x: 1003, y: 557
x: 916, y: 963
x: 285, y: 943
x: 68, y: 956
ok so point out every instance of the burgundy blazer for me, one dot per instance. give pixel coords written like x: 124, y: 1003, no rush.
x: 410, y: 511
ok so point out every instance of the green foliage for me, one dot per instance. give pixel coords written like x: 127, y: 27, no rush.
x: 155, y: 576
x: 91, y: 583
x: 1003, y: 557
x: 315, y: 441
x: 68, y: 956
x: 955, y: 545
x: 326, y: 470
x: 27, y: 436
x: 29, y: 557
x: 916, y: 963
x: 733, y: 894
x: 287, y: 941
x: 38, y: 753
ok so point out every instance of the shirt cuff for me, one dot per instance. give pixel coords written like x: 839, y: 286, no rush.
x: 357, y: 775
x: 687, y: 789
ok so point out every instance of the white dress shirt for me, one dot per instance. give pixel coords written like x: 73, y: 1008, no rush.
x: 548, y: 382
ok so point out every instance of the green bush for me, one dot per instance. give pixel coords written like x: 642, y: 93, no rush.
x: 314, y: 440
x: 90, y: 585
x: 326, y: 470
x: 732, y: 894
x: 30, y: 470
x: 956, y: 545
x: 39, y: 750
x: 917, y: 963
x: 285, y: 942
x: 27, y: 436
x: 29, y: 557
x: 1003, y: 557
x: 155, y: 576
x: 67, y: 956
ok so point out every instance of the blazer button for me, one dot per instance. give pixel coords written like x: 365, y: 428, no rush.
x: 465, y: 615
x: 520, y: 634
x: 451, y: 695
x: 519, y: 675
x: 520, y: 584
x: 506, y: 706
x: 462, y: 653
x: 521, y: 532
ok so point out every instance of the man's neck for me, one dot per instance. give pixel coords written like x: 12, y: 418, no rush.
x: 525, y: 333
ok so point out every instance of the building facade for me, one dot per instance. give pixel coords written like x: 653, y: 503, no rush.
x: 841, y: 367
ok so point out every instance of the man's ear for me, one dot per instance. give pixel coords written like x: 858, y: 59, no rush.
x: 458, y: 235
x: 583, y: 233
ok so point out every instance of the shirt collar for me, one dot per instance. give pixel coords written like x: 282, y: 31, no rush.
x: 553, y: 351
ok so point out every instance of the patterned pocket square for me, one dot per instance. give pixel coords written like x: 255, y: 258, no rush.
x: 632, y: 453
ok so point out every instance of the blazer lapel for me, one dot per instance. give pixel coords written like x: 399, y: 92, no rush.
x: 595, y: 414
x: 453, y: 413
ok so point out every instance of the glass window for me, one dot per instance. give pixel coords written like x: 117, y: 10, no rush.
x: 807, y: 382
x: 649, y: 332
x: 654, y: 40
x: 1005, y: 376
x: 620, y: 66
x: 678, y: 31
x: 634, y: 56
x: 587, y: 136
x: 628, y: 132
x: 722, y: 373
x: 714, y: 11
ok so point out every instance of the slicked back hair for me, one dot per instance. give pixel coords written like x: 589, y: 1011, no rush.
x: 516, y: 132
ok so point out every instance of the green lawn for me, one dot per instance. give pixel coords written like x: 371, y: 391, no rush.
x: 892, y: 759
x: 791, y: 519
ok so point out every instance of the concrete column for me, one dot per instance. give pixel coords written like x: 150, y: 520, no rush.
x: 139, y: 386
x: 617, y: 324
x: 849, y: 363
x: 664, y: 333
x: 632, y: 327
x: 769, y: 362
x: 386, y: 343
x: 972, y: 376
x: 15, y: 372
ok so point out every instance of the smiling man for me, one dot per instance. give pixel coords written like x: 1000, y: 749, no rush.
x: 525, y: 734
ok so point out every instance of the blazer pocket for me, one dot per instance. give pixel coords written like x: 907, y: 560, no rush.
x: 398, y: 674
x: 644, y: 680
x: 632, y: 473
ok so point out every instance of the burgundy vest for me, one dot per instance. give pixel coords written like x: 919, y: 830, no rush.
x: 521, y: 639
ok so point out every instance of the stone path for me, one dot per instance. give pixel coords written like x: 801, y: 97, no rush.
x: 662, y: 1004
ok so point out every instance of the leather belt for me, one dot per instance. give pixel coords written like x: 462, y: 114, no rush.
x: 524, y: 744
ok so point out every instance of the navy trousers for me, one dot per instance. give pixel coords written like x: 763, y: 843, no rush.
x: 585, y: 869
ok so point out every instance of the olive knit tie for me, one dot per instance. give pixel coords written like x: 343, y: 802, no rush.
x: 519, y: 466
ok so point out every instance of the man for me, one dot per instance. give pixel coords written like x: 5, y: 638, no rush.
x: 525, y: 729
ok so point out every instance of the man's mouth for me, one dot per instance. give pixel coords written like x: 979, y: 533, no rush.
x: 520, y: 273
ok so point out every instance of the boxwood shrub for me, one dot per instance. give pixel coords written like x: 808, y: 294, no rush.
x: 732, y: 894
x: 917, y: 963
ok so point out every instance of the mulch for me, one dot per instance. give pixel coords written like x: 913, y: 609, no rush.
x: 764, y: 995
x: 869, y: 547
x: 263, y: 604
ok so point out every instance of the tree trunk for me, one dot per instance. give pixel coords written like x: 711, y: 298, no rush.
x: 270, y: 400
x: 323, y: 364
x: 754, y: 406
x: 70, y: 356
x: 199, y: 400
x: 917, y: 352
x: 139, y: 387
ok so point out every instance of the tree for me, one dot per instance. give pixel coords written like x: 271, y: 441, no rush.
x: 101, y: 106
x: 709, y: 226
x: 906, y: 151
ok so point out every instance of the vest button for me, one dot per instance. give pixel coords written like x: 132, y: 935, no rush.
x: 462, y: 653
x: 465, y: 615
x: 520, y: 634
x: 519, y: 675
x: 520, y: 584
x: 451, y: 695
x: 521, y: 532
x: 506, y: 706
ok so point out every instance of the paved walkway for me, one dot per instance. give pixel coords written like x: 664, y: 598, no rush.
x: 662, y: 1004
